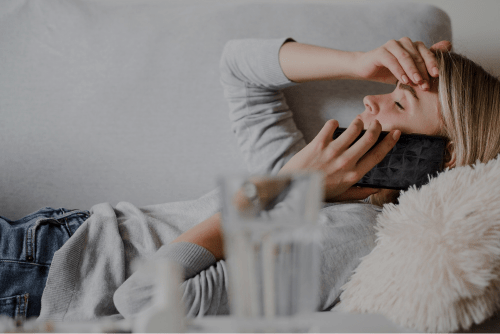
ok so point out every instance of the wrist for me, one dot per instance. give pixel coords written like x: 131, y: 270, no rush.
x: 355, y: 65
x: 342, y: 65
x: 207, y: 234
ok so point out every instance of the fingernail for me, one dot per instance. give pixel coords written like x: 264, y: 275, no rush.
x: 435, y: 71
x: 396, y: 134
x: 405, y: 79
x: 417, y: 77
x: 425, y: 85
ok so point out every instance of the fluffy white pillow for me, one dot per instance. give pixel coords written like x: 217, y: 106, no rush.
x: 436, y: 265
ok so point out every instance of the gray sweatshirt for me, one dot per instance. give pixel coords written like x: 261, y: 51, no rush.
x: 92, y: 275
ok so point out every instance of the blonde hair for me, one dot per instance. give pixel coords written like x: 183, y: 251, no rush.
x: 470, y: 108
x: 469, y: 100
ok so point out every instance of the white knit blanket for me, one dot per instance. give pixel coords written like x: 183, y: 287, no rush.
x: 436, y: 265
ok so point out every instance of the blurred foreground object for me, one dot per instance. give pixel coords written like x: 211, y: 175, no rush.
x: 272, y: 243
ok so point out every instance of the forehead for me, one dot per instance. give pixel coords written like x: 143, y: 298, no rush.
x: 415, y: 89
x: 426, y: 117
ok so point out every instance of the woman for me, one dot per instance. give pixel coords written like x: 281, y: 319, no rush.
x: 95, y: 261
x: 429, y: 104
x: 252, y: 73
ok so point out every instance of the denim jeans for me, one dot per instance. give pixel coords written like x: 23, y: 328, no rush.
x: 26, y: 250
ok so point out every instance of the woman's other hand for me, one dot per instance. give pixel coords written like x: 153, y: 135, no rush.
x: 402, y: 60
x: 341, y: 165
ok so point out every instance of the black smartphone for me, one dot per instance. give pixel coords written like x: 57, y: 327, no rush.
x: 410, y: 162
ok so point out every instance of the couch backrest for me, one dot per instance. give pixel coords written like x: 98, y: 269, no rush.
x: 119, y: 100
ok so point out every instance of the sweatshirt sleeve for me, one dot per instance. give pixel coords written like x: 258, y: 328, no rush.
x: 267, y: 136
x: 261, y: 120
x: 204, y: 290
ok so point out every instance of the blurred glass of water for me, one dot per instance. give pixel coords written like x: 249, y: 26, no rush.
x: 272, y: 243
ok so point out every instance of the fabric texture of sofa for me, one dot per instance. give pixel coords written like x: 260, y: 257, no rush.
x: 120, y: 100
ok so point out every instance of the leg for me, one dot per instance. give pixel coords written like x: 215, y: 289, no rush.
x: 26, y: 250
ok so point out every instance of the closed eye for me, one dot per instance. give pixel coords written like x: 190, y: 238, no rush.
x: 399, y: 105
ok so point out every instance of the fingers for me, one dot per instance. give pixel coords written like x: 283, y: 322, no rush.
x: 410, y: 60
x: 406, y: 69
x: 352, y: 132
x: 356, y: 193
x: 378, y: 153
x: 365, y: 143
x: 443, y: 46
x: 413, y: 61
x: 325, y: 136
x: 355, y: 153
x: 429, y: 59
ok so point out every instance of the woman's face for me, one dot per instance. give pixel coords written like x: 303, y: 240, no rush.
x: 408, y: 108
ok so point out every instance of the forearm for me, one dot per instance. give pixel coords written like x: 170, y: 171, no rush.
x: 207, y: 234
x: 304, y: 62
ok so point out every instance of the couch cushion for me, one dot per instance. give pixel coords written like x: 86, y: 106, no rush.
x: 114, y: 100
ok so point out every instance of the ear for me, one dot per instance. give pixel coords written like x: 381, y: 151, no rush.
x: 450, y: 156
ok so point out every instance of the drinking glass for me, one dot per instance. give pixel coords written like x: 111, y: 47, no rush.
x: 272, y: 243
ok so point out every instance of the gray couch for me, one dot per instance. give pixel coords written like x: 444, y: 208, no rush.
x: 113, y: 100
x: 119, y: 100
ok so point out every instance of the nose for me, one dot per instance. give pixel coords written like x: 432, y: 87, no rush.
x: 371, y: 104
